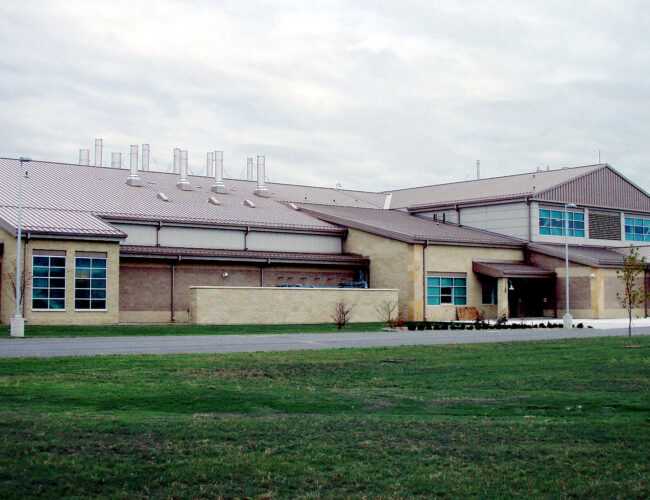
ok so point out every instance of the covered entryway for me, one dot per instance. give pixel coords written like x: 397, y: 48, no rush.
x: 523, y: 290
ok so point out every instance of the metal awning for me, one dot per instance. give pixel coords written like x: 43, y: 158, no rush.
x: 510, y: 269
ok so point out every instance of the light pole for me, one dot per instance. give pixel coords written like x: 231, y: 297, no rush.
x: 567, y: 317
x: 18, y: 322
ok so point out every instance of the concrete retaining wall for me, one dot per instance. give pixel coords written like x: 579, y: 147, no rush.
x: 255, y: 305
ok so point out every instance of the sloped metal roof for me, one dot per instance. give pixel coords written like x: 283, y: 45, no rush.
x: 586, y: 255
x: 103, y: 192
x: 402, y: 226
x: 493, y: 188
x: 510, y: 269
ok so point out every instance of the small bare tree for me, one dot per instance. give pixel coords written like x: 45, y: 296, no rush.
x: 386, y: 310
x: 342, y: 313
x: 633, y: 292
x: 10, y: 275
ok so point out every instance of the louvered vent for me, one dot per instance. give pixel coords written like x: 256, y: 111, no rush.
x: 604, y: 225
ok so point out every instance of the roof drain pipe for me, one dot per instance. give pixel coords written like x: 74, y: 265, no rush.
x: 218, y: 186
x: 146, y: 150
x: 183, y: 183
x: 134, y: 178
x: 261, y: 190
x: 99, y: 146
x: 249, y: 169
x: 209, y: 164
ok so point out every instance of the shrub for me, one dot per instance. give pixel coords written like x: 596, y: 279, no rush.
x: 342, y: 313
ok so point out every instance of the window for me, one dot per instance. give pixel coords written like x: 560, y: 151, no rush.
x: 552, y: 222
x: 489, y: 290
x: 446, y: 290
x: 637, y: 229
x: 48, y: 282
x: 90, y: 283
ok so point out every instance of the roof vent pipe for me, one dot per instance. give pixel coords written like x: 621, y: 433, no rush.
x: 218, y: 186
x: 261, y: 188
x: 249, y: 169
x: 184, y: 183
x: 209, y: 165
x: 134, y: 179
x: 84, y: 157
x: 177, y: 161
x: 146, y: 149
x: 116, y: 160
x: 99, y: 146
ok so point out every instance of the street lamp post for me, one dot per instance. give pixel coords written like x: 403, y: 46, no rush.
x: 568, y: 319
x: 18, y: 322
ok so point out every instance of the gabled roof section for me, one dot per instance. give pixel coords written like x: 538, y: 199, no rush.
x: 494, y: 188
x: 103, y: 192
x: 57, y: 222
x: 603, y: 187
x: 402, y: 226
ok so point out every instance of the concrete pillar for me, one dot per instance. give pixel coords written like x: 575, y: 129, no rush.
x: 502, y: 298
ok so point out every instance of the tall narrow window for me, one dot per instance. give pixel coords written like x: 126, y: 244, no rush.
x: 90, y: 283
x: 48, y: 282
x: 489, y: 290
x: 443, y: 290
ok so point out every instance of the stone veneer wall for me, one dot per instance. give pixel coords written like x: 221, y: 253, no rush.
x: 271, y: 305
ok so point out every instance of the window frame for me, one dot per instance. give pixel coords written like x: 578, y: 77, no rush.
x: 557, y: 225
x: 90, y: 279
x: 458, y: 283
x: 632, y: 222
x: 49, y: 277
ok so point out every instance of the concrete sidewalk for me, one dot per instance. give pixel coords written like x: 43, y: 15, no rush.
x: 91, y: 346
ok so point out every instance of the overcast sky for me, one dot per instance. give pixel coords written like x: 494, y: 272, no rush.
x: 370, y: 94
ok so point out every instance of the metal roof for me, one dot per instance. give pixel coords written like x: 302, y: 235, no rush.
x: 402, y: 226
x: 493, y: 188
x: 510, y: 269
x: 586, y: 255
x: 243, y: 255
x: 100, y: 191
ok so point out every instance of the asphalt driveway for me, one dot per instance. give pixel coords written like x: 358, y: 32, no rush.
x: 92, y: 346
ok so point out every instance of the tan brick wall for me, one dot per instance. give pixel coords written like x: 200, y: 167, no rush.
x: 447, y: 258
x: 270, y: 305
x: 68, y: 316
x: 390, y: 261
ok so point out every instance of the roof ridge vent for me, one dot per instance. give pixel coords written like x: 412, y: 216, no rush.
x: 134, y: 179
x: 213, y: 201
x: 162, y: 196
x: 249, y: 203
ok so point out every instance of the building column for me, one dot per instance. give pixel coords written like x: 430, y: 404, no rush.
x: 502, y: 298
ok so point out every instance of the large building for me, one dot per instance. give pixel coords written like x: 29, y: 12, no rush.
x: 107, y: 245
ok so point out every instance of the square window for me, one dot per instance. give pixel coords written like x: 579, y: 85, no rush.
x: 80, y: 272
x: 99, y: 273
x: 98, y: 304
x: 57, y: 262
x: 99, y: 264
x: 82, y: 262
x: 447, y: 282
x: 57, y: 304
x: 82, y: 304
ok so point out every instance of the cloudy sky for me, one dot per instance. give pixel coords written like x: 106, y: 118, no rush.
x: 369, y: 94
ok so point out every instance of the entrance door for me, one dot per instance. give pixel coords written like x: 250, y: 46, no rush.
x: 529, y: 297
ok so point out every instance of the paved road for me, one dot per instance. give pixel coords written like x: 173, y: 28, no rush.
x: 91, y: 346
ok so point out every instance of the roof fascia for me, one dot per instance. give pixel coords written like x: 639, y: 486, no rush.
x: 44, y: 235
x: 257, y: 260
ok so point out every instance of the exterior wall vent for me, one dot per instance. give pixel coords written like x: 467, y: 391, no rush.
x: 134, y: 178
x: 162, y: 196
x: 604, y: 225
x: 212, y: 200
x: 249, y: 203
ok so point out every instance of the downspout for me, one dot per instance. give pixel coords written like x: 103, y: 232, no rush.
x: 424, y: 283
x: 645, y: 290
x: 158, y: 233
x: 529, y: 231
x: 173, y: 290
x: 22, y: 295
x: 246, y: 237
x: 457, y: 213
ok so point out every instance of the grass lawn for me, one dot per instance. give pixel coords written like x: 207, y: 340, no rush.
x: 183, y: 329
x: 525, y: 419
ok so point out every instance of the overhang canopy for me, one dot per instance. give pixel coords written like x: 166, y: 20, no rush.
x: 510, y: 269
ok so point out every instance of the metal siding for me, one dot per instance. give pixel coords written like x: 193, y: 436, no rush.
x: 510, y: 219
x: 138, y: 234
x: 191, y: 237
x: 288, y: 242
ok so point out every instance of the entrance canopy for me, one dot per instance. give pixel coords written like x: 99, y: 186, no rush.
x: 510, y: 269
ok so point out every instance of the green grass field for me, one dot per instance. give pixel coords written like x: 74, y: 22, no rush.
x: 526, y: 419
x: 183, y: 329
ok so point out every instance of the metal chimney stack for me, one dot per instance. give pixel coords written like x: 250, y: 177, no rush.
x: 134, y: 178
x: 177, y: 161
x: 261, y: 188
x: 209, y: 165
x: 146, y: 150
x: 478, y: 169
x: 249, y: 169
x: 218, y: 186
x: 84, y: 157
x: 183, y: 183
x: 99, y: 146
x: 116, y: 160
